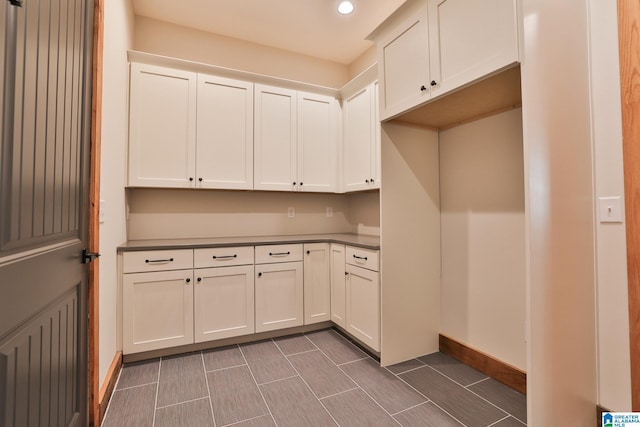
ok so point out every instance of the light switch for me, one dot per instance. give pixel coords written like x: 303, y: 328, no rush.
x: 101, y: 212
x: 610, y: 209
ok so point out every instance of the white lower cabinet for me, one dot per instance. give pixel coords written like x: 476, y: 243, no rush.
x: 157, y: 310
x: 363, y: 305
x: 317, y: 286
x: 223, y: 302
x: 279, y: 301
x: 338, y: 285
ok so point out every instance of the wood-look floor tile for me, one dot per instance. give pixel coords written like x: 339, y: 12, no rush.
x: 355, y: 409
x: 384, y: 387
x: 267, y: 362
x: 221, y: 358
x: 196, y: 413
x: 235, y: 395
x: 182, y: 378
x: 322, y: 376
x: 336, y: 347
x: 399, y: 368
x: 509, y: 422
x: 462, y: 404
x: 426, y: 415
x: 131, y: 407
x: 295, y: 344
x: 511, y: 401
x: 292, y: 404
x: 141, y: 373
x: 454, y: 369
x: 263, y: 421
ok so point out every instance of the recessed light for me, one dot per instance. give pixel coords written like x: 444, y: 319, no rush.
x: 345, y: 7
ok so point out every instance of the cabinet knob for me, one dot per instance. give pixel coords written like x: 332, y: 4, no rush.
x: 199, y: 279
x: 302, y: 183
x: 346, y: 273
x: 308, y: 252
x: 259, y: 274
x: 190, y: 178
x: 188, y: 280
x: 200, y: 179
x: 294, y: 183
x: 423, y: 88
x: 433, y: 83
x: 366, y: 180
x: 372, y: 180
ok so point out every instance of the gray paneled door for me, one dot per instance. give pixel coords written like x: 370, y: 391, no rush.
x: 45, y: 83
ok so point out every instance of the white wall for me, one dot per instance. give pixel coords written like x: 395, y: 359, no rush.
x: 614, y: 375
x: 166, y: 214
x: 118, y: 37
x: 561, y: 372
x: 171, y: 40
x: 483, y: 236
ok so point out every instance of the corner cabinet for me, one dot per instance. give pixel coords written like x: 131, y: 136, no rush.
x: 361, y: 140
x: 189, y: 130
x: 296, y: 135
x: 432, y: 47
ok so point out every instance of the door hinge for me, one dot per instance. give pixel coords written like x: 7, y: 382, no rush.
x: 88, y: 257
x: 16, y: 2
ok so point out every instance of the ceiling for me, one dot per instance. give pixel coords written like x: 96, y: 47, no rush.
x: 310, y: 27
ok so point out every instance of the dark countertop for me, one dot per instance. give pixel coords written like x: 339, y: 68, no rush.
x: 359, y: 240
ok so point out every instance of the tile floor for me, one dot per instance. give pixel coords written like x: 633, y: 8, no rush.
x: 318, y: 379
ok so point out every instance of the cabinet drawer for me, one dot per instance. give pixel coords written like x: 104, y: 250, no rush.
x: 366, y: 258
x: 278, y: 253
x: 136, y: 262
x: 221, y: 257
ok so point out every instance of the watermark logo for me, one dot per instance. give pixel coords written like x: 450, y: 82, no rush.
x: 621, y: 419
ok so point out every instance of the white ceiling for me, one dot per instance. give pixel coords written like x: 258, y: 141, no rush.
x: 310, y: 27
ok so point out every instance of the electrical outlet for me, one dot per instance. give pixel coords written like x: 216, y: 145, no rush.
x: 291, y: 212
x: 329, y: 211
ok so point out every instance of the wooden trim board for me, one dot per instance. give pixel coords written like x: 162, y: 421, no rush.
x: 94, y: 206
x: 629, y: 45
x: 106, y: 391
x: 496, y: 369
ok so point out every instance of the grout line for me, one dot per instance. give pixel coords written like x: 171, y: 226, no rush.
x: 354, y: 361
x: 180, y: 403
x: 302, y: 352
x: 115, y: 389
x: 412, y: 407
x: 235, y: 423
x: 206, y: 379
x: 340, y: 392
x: 135, y: 386
x: 500, y: 420
x: 222, y: 369
x: 278, y: 380
x: 155, y: 403
x: 258, y: 386
x: 477, y: 382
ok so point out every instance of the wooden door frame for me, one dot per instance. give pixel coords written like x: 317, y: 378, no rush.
x: 629, y: 48
x: 94, y: 207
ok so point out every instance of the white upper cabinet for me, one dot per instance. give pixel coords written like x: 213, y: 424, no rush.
x: 224, y: 151
x: 295, y: 140
x: 359, y: 145
x: 318, y: 130
x: 162, y: 132
x: 471, y: 38
x: 275, y: 138
x: 431, y: 47
x: 403, y: 58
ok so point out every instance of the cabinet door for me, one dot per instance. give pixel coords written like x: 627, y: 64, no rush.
x: 338, y: 286
x: 275, y: 129
x: 470, y: 39
x: 377, y: 138
x: 358, y: 141
x: 162, y: 128
x: 317, y: 142
x: 157, y: 310
x: 224, y: 302
x: 317, y: 283
x: 279, y: 296
x: 404, y: 58
x: 363, y: 305
x: 224, y: 155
